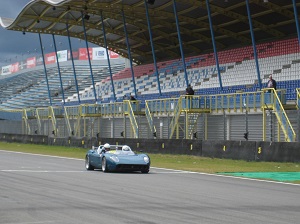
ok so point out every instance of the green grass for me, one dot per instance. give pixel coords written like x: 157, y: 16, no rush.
x: 179, y: 162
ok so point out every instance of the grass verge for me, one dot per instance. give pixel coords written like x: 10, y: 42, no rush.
x: 179, y: 162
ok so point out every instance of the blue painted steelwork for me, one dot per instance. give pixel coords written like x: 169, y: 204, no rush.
x: 296, y: 19
x: 89, y: 58
x: 180, y: 43
x: 253, y: 44
x: 129, y: 53
x: 58, y: 68
x: 152, y: 46
x: 45, y: 69
x: 108, y: 60
x: 214, y: 42
x: 72, y: 59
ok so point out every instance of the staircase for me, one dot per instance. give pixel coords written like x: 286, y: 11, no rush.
x: 271, y: 101
x: 176, y: 115
x: 53, y: 119
x: 25, y: 119
x: 192, y: 119
x: 150, y: 120
x: 128, y: 110
x: 67, y: 120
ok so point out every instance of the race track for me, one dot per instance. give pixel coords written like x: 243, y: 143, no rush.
x: 41, y: 189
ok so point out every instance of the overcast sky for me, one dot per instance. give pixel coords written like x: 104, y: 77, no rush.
x: 14, y: 45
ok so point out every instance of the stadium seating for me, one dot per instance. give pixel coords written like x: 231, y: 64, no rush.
x: 29, y: 89
x: 237, y: 71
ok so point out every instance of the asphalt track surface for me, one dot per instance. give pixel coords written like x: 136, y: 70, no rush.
x: 42, y: 189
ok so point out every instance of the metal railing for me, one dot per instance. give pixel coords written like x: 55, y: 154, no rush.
x: 150, y: 120
x: 129, y: 108
x: 298, y: 98
x: 173, y: 107
x: 53, y: 119
x: 272, y: 99
x: 176, y: 115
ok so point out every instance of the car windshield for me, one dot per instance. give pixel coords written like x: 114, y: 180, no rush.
x: 124, y: 150
x: 117, y: 149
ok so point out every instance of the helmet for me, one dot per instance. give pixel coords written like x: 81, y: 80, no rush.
x: 125, y: 148
x: 106, y: 145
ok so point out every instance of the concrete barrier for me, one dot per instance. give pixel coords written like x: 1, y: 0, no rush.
x: 237, y: 150
x: 278, y: 151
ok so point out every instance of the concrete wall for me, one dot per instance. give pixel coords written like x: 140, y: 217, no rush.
x: 237, y: 150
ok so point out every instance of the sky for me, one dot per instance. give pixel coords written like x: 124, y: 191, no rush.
x: 14, y: 46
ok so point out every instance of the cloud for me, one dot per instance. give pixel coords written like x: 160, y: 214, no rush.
x: 14, y: 46
x: 11, y: 42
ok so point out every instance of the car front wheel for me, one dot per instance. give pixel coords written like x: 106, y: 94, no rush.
x: 145, y: 171
x: 104, y: 165
x: 88, y: 166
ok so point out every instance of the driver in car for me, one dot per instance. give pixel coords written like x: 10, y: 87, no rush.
x: 104, y: 148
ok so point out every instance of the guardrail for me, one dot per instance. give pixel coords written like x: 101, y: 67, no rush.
x: 43, y: 113
x: 15, y: 115
x: 208, y: 103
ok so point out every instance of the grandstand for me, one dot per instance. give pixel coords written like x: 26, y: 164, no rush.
x: 29, y: 89
x: 237, y: 69
x: 230, y: 98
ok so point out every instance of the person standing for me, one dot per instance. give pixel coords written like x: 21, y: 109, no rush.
x: 132, y: 98
x: 271, y: 83
x: 189, y: 90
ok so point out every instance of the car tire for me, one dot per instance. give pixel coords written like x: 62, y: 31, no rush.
x: 145, y: 171
x: 88, y: 166
x: 104, y: 165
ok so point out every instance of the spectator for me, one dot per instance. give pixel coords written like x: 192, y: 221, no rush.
x: 271, y: 83
x: 132, y: 97
x: 189, y: 90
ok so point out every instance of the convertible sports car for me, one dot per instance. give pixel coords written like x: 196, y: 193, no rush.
x: 111, y: 158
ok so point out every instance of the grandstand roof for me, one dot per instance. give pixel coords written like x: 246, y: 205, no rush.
x: 271, y: 19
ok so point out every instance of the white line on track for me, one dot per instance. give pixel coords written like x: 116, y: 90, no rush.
x: 44, y: 171
x: 40, y: 222
x: 167, y: 171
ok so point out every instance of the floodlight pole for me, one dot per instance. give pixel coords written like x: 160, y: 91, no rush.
x: 152, y: 46
x: 129, y: 52
x: 72, y: 59
x: 58, y: 68
x: 214, y: 42
x: 89, y: 58
x: 180, y: 43
x: 246, y: 134
x: 45, y: 69
x: 296, y: 19
x: 253, y: 44
x: 108, y: 59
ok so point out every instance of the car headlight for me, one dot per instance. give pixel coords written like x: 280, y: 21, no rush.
x: 146, y: 159
x: 115, y: 159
